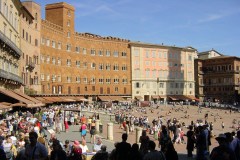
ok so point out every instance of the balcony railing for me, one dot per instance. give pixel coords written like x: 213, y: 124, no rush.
x: 219, y: 72
x: 30, y: 66
x: 10, y: 76
x: 5, y: 39
x: 218, y: 84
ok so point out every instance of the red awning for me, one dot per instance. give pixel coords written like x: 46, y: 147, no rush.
x: 10, y: 93
x: 105, y: 98
x: 138, y: 97
x: 155, y: 97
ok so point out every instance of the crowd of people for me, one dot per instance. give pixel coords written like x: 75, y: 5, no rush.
x: 23, y: 136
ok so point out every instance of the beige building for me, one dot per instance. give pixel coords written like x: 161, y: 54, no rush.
x: 11, y: 84
x: 162, y: 72
x: 9, y: 44
x: 30, y: 22
x: 74, y: 63
x: 209, y: 54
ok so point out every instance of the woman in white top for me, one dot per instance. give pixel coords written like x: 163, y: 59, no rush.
x: 84, y: 146
x: 7, y: 146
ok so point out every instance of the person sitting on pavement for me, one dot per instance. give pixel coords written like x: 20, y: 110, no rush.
x: 84, y: 146
x: 76, y: 153
x: 101, y: 154
x: 67, y: 148
x: 97, y: 146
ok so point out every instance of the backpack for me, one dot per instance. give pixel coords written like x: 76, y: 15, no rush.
x: 76, y: 154
x: 77, y: 151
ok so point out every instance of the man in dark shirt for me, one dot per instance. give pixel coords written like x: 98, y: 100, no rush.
x: 222, y: 152
x: 123, y: 148
x: 2, y: 153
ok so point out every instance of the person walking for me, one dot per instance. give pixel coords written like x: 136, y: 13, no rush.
x: 66, y: 124
x: 92, y: 131
x: 83, y: 130
x: 190, y: 141
x: 222, y: 125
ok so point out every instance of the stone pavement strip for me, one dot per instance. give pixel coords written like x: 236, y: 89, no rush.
x: 74, y: 134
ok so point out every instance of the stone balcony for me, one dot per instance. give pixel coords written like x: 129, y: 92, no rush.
x: 10, y: 76
x: 10, y: 44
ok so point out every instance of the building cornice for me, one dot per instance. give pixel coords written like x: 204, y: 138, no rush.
x: 98, y: 37
x: 59, y: 5
x: 150, y: 45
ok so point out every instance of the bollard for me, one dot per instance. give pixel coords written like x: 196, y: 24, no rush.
x: 97, y: 125
x: 110, y: 131
x: 138, y: 134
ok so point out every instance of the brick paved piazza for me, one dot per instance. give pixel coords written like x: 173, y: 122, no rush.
x: 178, y: 112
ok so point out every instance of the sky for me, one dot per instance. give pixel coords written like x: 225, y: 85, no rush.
x: 202, y: 24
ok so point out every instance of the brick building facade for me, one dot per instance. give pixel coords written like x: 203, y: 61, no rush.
x: 75, y: 63
x: 30, y: 22
x: 218, y: 79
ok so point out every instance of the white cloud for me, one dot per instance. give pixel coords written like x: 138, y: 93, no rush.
x: 210, y: 18
x: 93, y: 7
x: 104, y: 8
x: 213, y: 17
